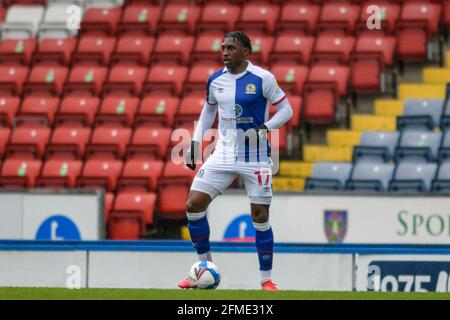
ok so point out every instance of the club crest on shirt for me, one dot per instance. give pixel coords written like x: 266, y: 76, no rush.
x: 250, y: 89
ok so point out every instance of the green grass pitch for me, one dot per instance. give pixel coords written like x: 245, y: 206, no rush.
x: 178, y: 294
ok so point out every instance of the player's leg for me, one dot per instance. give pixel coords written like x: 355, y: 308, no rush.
x: 258, y: 184
x: 209, y: 182
x: 264, y: 242
x: 198, y: 225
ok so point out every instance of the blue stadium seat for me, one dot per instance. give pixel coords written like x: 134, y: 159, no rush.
x: 421, y: 114
x: 442, y: 181
x: 444, y: 150
x: 413, y: 177
x: 371, y: 177
x: 445, y: 121
x: 376, y: 146
x: 328, y: 176
x: 418, y: 146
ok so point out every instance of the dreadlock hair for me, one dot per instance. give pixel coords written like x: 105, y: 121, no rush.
x: 241, y: 37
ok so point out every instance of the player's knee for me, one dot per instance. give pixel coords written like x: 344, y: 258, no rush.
x: 194, y: 205
x: 260, y: 215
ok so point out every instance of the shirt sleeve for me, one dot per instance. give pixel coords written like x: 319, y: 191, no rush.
x: 271, y: 90
x: 210, y: 99
x: 205, y: 121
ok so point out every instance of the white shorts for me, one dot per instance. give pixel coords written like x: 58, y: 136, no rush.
x: 216, y: 176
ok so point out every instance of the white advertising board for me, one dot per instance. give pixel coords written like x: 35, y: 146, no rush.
x: 407, y: 273
x: 11, y: 216
x: 239, y: 270
x: 43, y: 215
x: 43, y: 269
x: 311, y: 218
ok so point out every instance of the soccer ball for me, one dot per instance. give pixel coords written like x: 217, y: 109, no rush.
x: 204, y: 275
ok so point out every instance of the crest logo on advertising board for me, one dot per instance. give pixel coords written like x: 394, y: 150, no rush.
x: 241, y: 229
x: 335, y: 223
x: 58, y: 227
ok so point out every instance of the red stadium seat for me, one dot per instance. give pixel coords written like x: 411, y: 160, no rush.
x: 133, y: 49
x: 125, y: 225
x: 140, y: 18
x: 132, y: 211
x: 101, y: 21
x: 418, y: 21
x: 218, y: 17
x: 68, y: 143
x: 17, y: 51
x: 28, y: 143
x: 108, y: 143
x: 207, y: 48
x: 94, y: 50
x: 199, y: 75
x: 367, y: 43
x: 59, y: 174
x: 55, y: 51
x: 46, y: 79
x: 37, y: 111
x: 126, y: 80
x: 140, y: 175
x: 422, y: 11
x: 137, y: 201
x: 258, y: 16
x: 290, y: 77
x: 190, y: 109
x: 173, y: 48
x: 116, y: 111
x: 292, y: 48
x: 389, y: 11
x: 19, y: 173
x: 9, y: 106
x: 337, y: 74
x: 179, y: 17
x: 338, y: 16
x: 76, y: 110
x: 149, y: 143
x: 173, y: 190
x: 167, y: 79
x: 261, y: 47
x: 157, y: 111
x: 100, y: 173
x: 298, y: 16
x: 412, y: 40
x: 85, y: 80
x: 367, y: 70
x: 12, y: 79
x: 4, y: 138
x: 319, y: 102
x: 333, y: 48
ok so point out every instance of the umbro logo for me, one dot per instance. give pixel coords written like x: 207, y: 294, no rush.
x: 220, y: 90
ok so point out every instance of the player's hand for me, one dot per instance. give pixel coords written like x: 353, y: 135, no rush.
x: 262, y: 131
x: 191, y: 155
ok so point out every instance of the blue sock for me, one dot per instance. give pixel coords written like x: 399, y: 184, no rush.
x: 264, y: 246
x: 199, y: 232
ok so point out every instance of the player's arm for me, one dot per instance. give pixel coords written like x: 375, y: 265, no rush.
x: 282, y: 116
x: 204, y: 123
x: 278, y: 98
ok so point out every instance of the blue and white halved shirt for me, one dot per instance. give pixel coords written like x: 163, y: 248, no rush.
x: 243, y: 102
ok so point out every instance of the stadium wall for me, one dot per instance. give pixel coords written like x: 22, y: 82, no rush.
x: 161, y: 264
x: 338, y: 218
